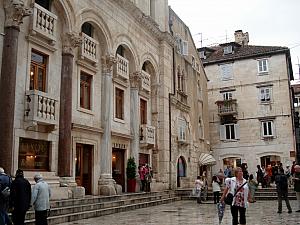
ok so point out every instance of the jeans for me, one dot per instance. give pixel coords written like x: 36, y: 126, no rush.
x: 283, y: 196
x: 216, y: 197
x: 235, y: 215
x: 4, y: 218
x: 41, y: 217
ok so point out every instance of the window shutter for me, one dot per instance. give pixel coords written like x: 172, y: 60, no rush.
x: 184, y: 47
x: 226, y: 71
x: 273, y: 129
x: 222, y: 132
x: 237, y: 131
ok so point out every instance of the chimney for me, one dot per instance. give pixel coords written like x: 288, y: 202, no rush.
x: 241, y: 38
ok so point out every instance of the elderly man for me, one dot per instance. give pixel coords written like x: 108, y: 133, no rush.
x: 5, y: 184
x: 40, y: 200
x: 296, y: 179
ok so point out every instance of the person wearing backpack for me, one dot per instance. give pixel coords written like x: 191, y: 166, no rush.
x: 5, y: 184
x: 282, y: 190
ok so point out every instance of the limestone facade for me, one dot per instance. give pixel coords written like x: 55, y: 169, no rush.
x: 250, y: 103
x: 87, y: 74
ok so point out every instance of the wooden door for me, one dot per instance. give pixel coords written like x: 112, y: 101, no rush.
x: 118, y: 169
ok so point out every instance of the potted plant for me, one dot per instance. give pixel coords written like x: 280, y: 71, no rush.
x: 131, y: 174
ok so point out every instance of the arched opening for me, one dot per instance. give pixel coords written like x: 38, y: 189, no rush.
x: 88, y: 29
x: 44, y: 3
x: 181, y: 169
x: 270, y: 160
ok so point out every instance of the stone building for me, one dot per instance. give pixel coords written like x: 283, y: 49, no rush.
x: 250, y: 103
x: 85, y: 85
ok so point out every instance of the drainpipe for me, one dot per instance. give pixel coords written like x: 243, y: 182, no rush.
x: 172, y: 93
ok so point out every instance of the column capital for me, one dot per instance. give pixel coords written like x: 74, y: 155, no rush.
x: 135, y: 79
x: 107, y: 63
x: 70, y: 41
x: 15, y: 11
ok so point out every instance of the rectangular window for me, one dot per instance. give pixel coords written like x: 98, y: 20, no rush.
x: 182, y: 129
x: 119, y: 104
x: 143, y: 111
x: 185, y: 49
x: 227, y: 50
x: 85, y: 90
x: 267, y: 129
x: 229, y: 132
x: 265, y: 94
x: 227, y: 96
x: 38, y: 71
x: 297, y: 102
x: 226, y: 71
x: 262, y: 66
x: 34, y: 154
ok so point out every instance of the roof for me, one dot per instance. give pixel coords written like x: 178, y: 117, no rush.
x: 242, y: 52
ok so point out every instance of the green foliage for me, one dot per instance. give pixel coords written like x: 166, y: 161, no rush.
x: 131, y: 168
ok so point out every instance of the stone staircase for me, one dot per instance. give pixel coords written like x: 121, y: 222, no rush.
x: 261, y: 194
x: 94, y: 206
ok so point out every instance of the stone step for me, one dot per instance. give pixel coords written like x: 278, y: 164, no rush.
x: 103, y: 211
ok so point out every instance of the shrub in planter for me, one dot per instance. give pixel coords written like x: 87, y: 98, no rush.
x: 131, y: 174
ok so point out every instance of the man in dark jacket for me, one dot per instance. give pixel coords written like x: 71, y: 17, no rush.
x: 5, y: 184
x: 20, y: 198
x: 297, y: 185
x: 282, y: 190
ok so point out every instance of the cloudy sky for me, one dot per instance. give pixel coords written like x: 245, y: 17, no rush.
x: 268, y: 22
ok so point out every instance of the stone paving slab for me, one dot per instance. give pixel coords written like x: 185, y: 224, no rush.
x: 189, y: 213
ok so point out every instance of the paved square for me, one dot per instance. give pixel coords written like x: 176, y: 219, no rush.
x: 189, y: 212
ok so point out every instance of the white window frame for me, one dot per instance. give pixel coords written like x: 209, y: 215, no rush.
x: 262, y: 66
x: 226, y: 71
x: 297, y: 101
x: 184, y: 47
x: 233, y: 129
x: 265, y: 94
x: 182, y: 127
x: 202, y: 55
x: 270, y: 129
x: 228, y: 50
x: 227, y: 95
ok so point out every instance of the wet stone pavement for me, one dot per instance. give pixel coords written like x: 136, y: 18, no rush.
x: 189, y: 213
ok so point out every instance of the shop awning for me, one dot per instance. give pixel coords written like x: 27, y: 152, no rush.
x: 206, y: 159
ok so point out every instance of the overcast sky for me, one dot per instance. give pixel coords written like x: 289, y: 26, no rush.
x: 268, y: 22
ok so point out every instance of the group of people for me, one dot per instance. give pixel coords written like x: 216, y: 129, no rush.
x: 145, y: 173
x: 17, y: 196
x: 241, y: 188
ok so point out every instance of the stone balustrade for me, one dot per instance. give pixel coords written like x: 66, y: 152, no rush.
x: 147, y: 134
x: 146, y: 81
x: 40, y: 108
x: 122, y: 67
x: 44, y: 22
x: 88, y: 48
x: 227, y: 107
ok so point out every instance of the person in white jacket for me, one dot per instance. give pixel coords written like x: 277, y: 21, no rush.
x: 41, y: 200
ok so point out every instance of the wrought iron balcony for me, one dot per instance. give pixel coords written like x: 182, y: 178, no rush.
x: 44, y: 23
x: 40, y: 108
x: 147, y: 134
x: 122, y: 67
x: 88, y: 49
x: 146, y: 82
x: 227, y: 107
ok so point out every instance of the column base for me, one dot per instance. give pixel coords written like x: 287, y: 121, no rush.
x: 108, y: 186
x: 74, y: 191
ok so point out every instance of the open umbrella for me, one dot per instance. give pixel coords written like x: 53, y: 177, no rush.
x: 221, y: 210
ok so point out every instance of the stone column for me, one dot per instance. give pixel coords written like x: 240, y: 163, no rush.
x: 14, y: 14
x: 65, y: 165
x: 135, y: 82
x: 106, y: 183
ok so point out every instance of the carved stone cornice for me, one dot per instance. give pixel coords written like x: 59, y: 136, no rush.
x: 135, y: 79
x: 15, y: 11
x: 108, y: 62
x: 146, y: 21
x: 70, y: 41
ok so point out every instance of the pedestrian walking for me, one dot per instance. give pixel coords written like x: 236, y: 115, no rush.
x: 148, y: 177
x: 253, y: 184
x: 282, y: 190
x: 216, y: 189
x: 239, y: 189
x: 141, y: 170
x: 40, y: 200
x: 296, y: 180
x: 5, y: 185
x: 198, y: 186
x: 20, y: 198
x: 259, y: 175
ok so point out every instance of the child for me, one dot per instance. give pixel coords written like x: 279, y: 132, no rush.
x: 216, y: 189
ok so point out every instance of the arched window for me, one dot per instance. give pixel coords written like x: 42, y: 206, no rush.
x: 44, y: 3
x: 88, y: 29
x: 181, y: 167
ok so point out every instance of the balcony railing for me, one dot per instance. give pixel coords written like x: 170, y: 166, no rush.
x: 146, y: 82
x: 122, y: 67
x: 147, y: 134
x: 44, y: 22
x: 227, y: 107
x: 40, y: 108
x: 89, y: 48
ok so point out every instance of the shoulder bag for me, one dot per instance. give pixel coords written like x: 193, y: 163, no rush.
x: 229, y: 197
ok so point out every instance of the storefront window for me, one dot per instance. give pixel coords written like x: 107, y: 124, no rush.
x: 34, y: 154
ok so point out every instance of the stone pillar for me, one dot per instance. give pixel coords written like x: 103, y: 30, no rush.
x: 135, y: 82
x: 70, y: 41
x: 106, y: 183
x: 14, y: 14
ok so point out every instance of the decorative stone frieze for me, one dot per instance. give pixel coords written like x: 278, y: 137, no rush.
x: 135, y: 79
x: 70, y: 41
x: 15, y: 11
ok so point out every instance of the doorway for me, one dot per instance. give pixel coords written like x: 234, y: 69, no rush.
x: 118, y: 169
x: 181, y: 169
x: 269, y: 160
x: 83, y: 167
